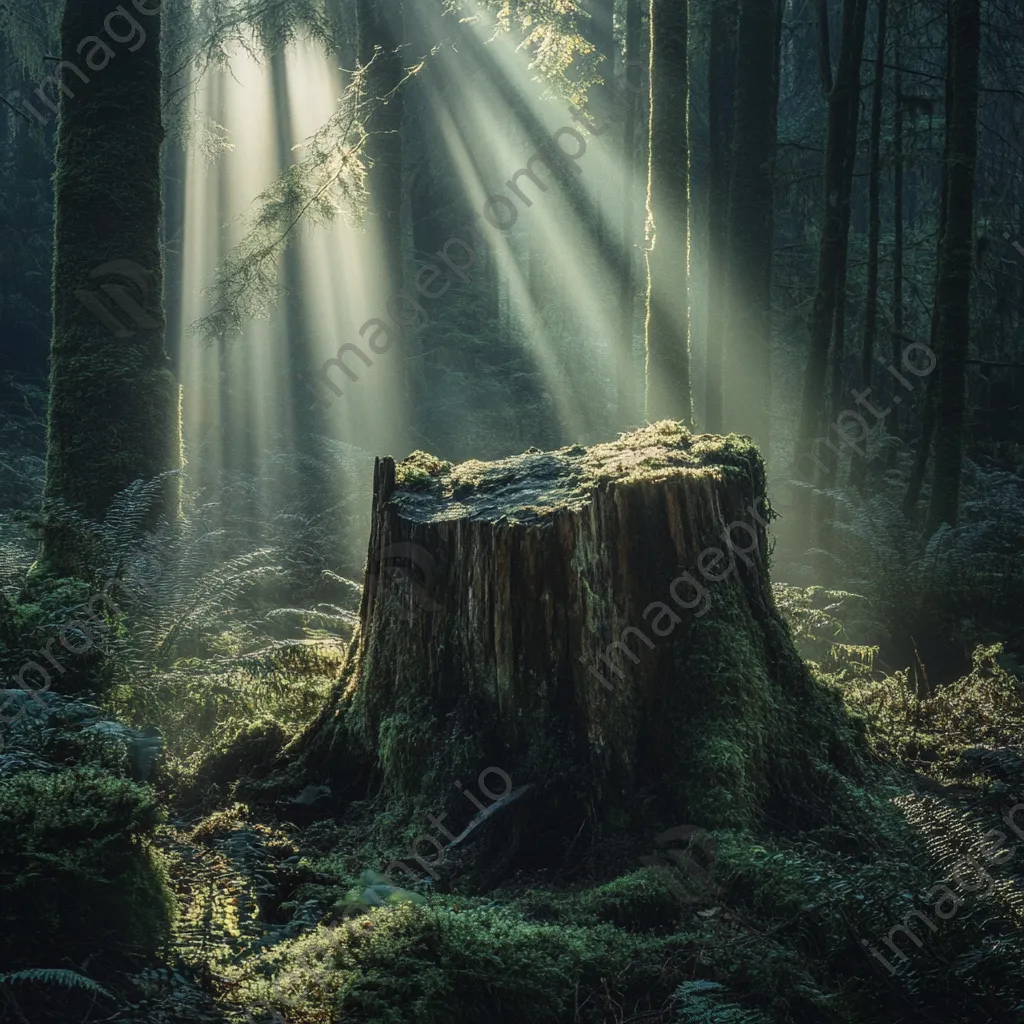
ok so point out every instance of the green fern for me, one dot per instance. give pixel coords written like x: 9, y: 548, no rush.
x: 973, y: 573
x: 55, y: 977
x: 697, y: 1004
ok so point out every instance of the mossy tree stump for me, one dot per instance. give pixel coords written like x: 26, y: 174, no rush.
x: 596, y: 622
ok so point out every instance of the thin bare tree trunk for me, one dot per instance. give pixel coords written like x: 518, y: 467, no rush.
x: 924, y: 444
x: 858, y: 468
x: 844, y: 110
x: 956, y: 264
x: 626, y: 382
x: 897, y: 246
x: 721, y: 88
x: 667, y: 331
x: 751, y: 218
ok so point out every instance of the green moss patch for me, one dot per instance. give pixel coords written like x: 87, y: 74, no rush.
x: 78, y: 874
x: 529, y: 487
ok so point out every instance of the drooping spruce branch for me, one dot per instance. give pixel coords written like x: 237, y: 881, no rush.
x: 328, y: 181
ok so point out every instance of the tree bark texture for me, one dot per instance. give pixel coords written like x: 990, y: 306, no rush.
x: 597, y: 622
x: 113, y: 415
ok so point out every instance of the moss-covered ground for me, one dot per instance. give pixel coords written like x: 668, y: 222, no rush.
x: 234, y: 912
x: 202, y: 895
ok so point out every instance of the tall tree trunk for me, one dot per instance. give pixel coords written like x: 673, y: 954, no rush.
x: 956, y: 263
x: 113, y: 414
x: 929, y: 405
x: 843, y: 113
x: 859, y: 465
x: 175, y: 163
x: 825, y: 507
x: 667, y: 331
x: 626, y: 380
x: 897, y: 229
x: 824, y: 46
x: 721, y: 95
x: 751, y: 218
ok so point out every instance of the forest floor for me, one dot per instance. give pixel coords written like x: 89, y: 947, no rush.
x: 174, y: 892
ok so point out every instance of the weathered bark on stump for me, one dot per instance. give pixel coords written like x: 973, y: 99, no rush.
x: 520, y: 577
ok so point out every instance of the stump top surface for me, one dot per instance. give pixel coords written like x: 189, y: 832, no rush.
x: 532, y: 486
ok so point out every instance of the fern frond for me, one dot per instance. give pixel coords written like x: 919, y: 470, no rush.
x: 696, y: 1004
x: 55, y: 977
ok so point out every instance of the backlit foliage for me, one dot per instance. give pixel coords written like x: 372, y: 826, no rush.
x: 329, y: 180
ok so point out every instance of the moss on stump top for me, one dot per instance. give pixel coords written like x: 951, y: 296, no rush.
x: 533, y: 486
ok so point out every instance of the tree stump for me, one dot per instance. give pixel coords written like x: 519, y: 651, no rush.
x: 594, y: 623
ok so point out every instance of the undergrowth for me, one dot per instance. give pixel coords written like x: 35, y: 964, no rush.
x: 176, y: 903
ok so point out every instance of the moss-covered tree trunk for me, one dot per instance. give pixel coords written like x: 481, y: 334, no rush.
x: 751, y: 219
x: 113, y: 414
x: 598, y: 624
x: 667, y: 332
x: 956, y: 263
